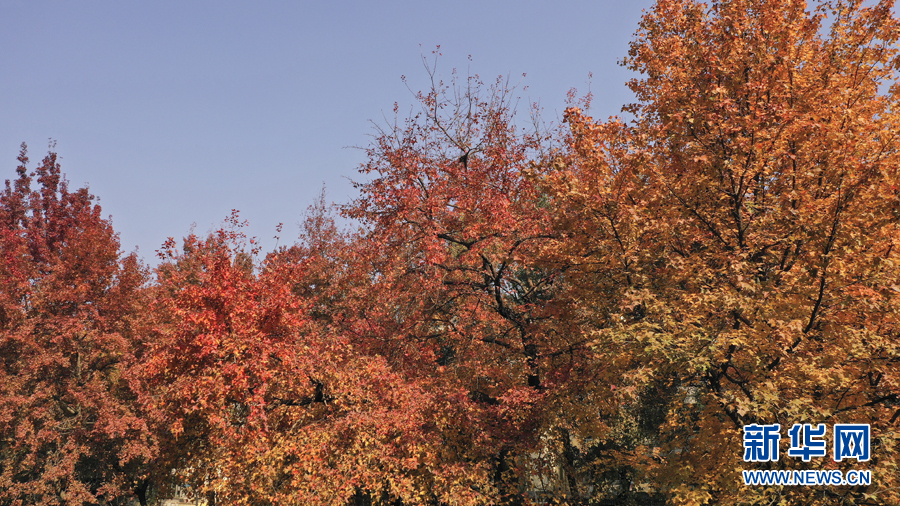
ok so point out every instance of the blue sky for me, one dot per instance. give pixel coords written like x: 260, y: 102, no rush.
x: 174, y: 113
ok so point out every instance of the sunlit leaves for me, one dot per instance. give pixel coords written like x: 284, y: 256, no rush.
x: 737, y: 240
x: 70, y: 429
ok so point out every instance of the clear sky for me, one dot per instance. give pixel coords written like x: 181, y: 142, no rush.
x: 175, y: 112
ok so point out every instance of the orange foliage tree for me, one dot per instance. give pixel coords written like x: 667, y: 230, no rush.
x: 736, y: 245
x: 420, y: 360
x: 454, y: 224
x: 580, y: 316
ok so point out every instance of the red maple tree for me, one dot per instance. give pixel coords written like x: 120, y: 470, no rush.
x: 70, y: 431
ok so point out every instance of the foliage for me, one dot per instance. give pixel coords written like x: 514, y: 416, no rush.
x: 454, y: 229
x: 586, y: 315
x: 70, y: 431
x: 736, y: 243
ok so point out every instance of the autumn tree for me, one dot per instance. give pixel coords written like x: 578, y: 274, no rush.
x: 70, y: 429
x: 735, y: 244
x: 524, y: 315
x: 455, y: 224
x: 422, y: 360
x: 259, y: 395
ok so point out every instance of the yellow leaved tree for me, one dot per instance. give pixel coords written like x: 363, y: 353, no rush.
x: 735, y: 247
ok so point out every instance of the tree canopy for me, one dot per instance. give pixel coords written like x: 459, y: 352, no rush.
x: 587, y: 313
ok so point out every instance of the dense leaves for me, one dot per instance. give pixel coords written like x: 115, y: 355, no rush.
x: 578, y: 315
x: 70, y: 431
x: 737, y: 242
